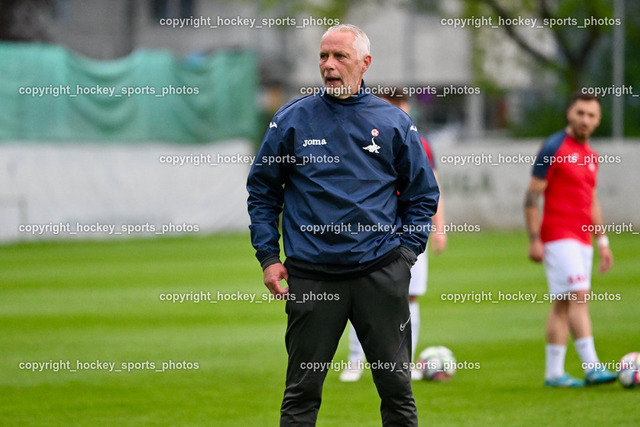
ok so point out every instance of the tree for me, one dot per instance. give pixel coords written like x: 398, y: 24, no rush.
x: 581, y: 56
x: 575, y: 41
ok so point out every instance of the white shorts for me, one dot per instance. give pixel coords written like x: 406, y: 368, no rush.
x: 419, y: 275
x: 567, y: 263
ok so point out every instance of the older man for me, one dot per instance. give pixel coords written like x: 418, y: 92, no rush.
x: 350, y: 175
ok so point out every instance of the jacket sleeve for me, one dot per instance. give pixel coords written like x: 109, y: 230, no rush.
x: 265, y: 185
x: 419, y: 192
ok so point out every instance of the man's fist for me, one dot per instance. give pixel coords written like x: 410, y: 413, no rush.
x: 273, y: 274
x: 536, y: 250
x: 606, y: 258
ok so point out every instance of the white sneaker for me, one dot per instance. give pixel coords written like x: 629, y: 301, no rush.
x: 350, y: 375
x: 416, y: 375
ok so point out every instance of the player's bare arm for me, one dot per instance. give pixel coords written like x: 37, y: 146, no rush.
x: 439, y: 238
x: 532, y: 217
x: 606, y: 256
x: 273, y: 275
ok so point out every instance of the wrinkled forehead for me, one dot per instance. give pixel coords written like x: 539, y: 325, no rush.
x: 338, y: 41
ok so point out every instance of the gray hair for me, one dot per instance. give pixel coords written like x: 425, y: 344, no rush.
x: 361, y: 42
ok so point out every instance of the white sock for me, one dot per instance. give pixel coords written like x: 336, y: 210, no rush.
x: 414, y: 310
x: 356, y: 352
x: 554, y: 361
x: 586, y: 351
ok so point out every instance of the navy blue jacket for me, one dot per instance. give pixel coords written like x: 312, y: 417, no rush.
x: 352, y: 175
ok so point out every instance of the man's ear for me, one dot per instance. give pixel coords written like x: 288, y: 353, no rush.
x: 366, y: 61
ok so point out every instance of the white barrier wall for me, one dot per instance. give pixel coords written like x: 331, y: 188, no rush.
x: 100, y: 191
x: 105, y: 191
x: 489, y: 188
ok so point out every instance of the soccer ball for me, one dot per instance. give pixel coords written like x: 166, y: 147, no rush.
x: 628, y: 375
x: 629, y: 378
x: 630, y: 361
x: 437, y: 363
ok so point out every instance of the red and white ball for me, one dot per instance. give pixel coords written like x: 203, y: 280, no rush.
x: 629, y: 375
x: 437, y: 363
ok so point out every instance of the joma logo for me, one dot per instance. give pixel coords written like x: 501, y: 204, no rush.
x: 308, y: 142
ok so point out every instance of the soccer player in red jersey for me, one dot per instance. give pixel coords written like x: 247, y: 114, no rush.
x: 565, y: 175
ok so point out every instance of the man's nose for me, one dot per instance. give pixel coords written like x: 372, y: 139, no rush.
x: 330, y: 62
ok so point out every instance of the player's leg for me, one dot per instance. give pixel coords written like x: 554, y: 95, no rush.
x: 557, y: 264
x: 578, y: 315
x: 314, y: 328
x: 580, y: 324
x: 353, y: 372
x: 557, y: 332
x: 579, y: 320
x: 414, y: 312
x: 417, y: 287
x: 381, y: 317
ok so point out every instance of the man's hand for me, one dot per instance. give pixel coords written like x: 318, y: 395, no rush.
x: 606, y: 258
x: 438, y: 242
x: 273, y: 274
x: 536, y: 250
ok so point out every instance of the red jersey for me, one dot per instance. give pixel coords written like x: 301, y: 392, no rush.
x: 570, y: 168
x: 427, y: 148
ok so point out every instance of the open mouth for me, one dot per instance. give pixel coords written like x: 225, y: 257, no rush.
x: 333, y: 80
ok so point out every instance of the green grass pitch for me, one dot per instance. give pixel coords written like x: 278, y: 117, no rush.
x: 101, y: 301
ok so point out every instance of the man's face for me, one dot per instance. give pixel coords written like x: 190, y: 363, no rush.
x: 584, y: 118
x: 340, y: 67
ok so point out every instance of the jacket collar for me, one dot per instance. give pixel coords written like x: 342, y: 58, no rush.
x: 360, y: 97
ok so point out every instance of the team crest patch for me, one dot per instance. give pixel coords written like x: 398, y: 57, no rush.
x: 373, y: 147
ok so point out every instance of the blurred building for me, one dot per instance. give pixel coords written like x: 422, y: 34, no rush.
x: 410, y: 49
